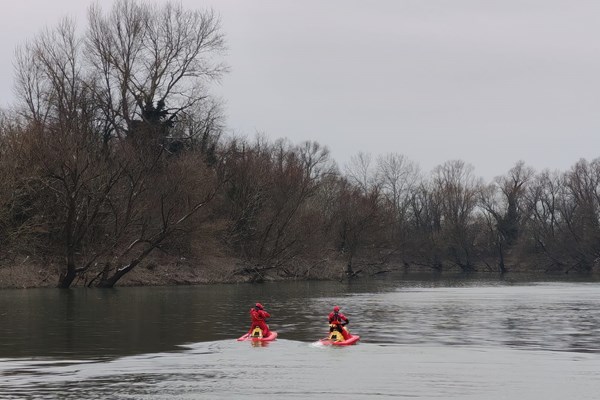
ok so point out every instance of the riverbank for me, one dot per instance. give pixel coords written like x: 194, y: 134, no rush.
x: 25, y: 273
x: 170, y: 271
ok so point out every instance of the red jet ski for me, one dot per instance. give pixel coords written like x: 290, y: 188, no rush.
x: 336, y: 338
x: 257, y: 336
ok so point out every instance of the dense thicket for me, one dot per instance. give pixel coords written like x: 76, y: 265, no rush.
x: 115, y: 152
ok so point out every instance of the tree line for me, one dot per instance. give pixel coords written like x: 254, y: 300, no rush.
x: 115, y: 150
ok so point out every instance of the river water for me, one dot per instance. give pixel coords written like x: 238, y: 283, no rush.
x: 421, y: 338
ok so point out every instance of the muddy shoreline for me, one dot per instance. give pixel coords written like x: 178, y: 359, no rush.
x: 26, y: 274
x: 223, y: 270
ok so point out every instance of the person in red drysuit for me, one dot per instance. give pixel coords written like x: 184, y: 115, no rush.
x: 259, y: 316
x: 338, y: 320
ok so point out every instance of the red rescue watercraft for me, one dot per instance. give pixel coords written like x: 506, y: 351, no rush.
x: 257, y: 336
x: 336, y: 338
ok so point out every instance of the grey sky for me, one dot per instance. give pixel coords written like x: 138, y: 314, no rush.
x: 488, y: 82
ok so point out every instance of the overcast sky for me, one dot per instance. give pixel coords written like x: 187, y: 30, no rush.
x: 490, y: 82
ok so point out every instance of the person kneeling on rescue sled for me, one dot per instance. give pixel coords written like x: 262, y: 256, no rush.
x: 337, y: 321
x: 259, y: 316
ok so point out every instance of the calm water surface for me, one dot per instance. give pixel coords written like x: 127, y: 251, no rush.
x: 421, y: 339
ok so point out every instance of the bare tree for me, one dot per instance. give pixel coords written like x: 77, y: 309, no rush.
x: 504, y: 203
x: 360, y: 171
x: 164, y: 209
x: 22, y: 229
x: 398, y: 178
x: 458, y: 192
x: 49, y: 75
x: 147, y: 58
x: 136, y: 70
x: 248, y: 165
x: 64, y: 145
x: 581, y: 213
x: 270, y: 193
x: 199, y: 128
x: 544, y: 197
x: 8, y: 183
x: 427, y: 244
x: 359, y: 221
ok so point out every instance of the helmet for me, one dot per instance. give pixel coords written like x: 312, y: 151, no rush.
x: 336, y: 309
x: 259, y: 306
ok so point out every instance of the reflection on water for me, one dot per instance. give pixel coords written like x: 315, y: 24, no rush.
x: 127, y: 321
x: 420, y: 338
